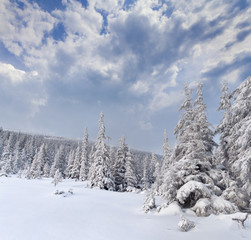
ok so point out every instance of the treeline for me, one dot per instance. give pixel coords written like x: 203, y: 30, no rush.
x: 36, y: 156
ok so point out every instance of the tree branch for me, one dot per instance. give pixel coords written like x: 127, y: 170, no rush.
x: 239, y: 220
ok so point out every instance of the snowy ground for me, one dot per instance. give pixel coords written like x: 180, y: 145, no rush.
x: 30, y: 211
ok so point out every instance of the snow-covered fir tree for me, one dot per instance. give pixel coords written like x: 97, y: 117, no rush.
x: 84, y: 169
x: 239, y: 152
x: 59, y: 162
x: 191, y: 177
x: 75, y: 171
x: 130, y: 178
x: 224, y: 127
x: 70, y: 163
x: 101, y: 176
x: 38, y: 163
x: 119, y: 166
x: 146, y: 184
x: 57, y: 177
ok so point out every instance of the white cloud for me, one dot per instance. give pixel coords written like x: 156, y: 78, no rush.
x: 140, y: 87
x: 22, y: 30
x: 163, y: 100
x: 9, y: 72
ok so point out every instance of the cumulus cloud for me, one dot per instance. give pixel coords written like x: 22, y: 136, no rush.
x: 126, y: 54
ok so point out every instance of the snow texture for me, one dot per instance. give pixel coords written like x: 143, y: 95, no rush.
x: 30, y: 211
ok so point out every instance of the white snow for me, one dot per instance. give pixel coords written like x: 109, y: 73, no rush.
x: 30, y: 211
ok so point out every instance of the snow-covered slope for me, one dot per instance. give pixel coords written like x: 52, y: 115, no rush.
x: 30, y: 211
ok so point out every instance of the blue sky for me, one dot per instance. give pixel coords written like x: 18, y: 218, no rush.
x: 63, y: 62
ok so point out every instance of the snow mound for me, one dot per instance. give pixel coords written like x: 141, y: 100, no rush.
x: 173, y: 209
x: 191, y: 192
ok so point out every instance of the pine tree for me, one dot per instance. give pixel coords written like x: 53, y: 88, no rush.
x: 130, y: 178
x: 38, y: 163
x: 146, y: 174
x: 191, y: 162
x: 70, y: 164
x: 224, y: 127
x: 203, y: 135
x: 59, y: 161
x: 101, y: 174
x: 84, y: 170
x: 119, y: 166
x: 185, y: 127
x: 76, y: 165
x: 164, y: 169
x: 239, y: 151
x: 57, y: 177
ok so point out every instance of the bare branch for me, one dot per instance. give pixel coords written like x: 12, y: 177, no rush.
x: 239, y: 220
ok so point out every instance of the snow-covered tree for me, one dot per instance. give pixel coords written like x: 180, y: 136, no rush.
x: 70, y: 163
x: 57, y: 177
x: 119, y: 166
x: 38, y: 163
x: 101, y: 176
x: 59, y: 162
x: 85, y: 165
x: 190, y: 177
x: 202, y: 128
x: 146, y: 174
x: 184, y: 130
x: 224, y: 127
x: 75, y: 171
x: 239, y: 151
x: 130, y: 178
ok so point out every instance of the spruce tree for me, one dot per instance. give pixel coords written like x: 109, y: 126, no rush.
x: 101, y: 173
x: 224, y: 127
x: 130, y: 178
x: 75, y: 171
x: 84, y: 169
x: 59, y: 162
x: 239, y: 151
x: 119, y: 166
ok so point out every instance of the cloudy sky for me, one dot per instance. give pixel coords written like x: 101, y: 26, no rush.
x: 62, y: 62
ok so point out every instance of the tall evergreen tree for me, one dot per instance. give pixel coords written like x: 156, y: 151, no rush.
x: 101, y: 173
x: 75, y: 172
x: 239, y: 151
x: 224, y: 127
x: 119, y: 166
x: 84, y: 170
x: 70, y: 164
x: 130, y: 178
x: 59, y: 162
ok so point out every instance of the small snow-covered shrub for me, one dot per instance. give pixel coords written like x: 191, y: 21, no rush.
x: 57, y: 192
x: 220, y: 205
x: 191, y: 192
x: 185, y: 225
x: 203, y: 207
x: 149, y: 203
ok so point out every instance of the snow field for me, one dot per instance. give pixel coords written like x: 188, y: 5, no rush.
x: 30, y: 211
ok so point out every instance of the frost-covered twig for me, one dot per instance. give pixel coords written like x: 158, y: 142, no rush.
x: 239, y: 220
